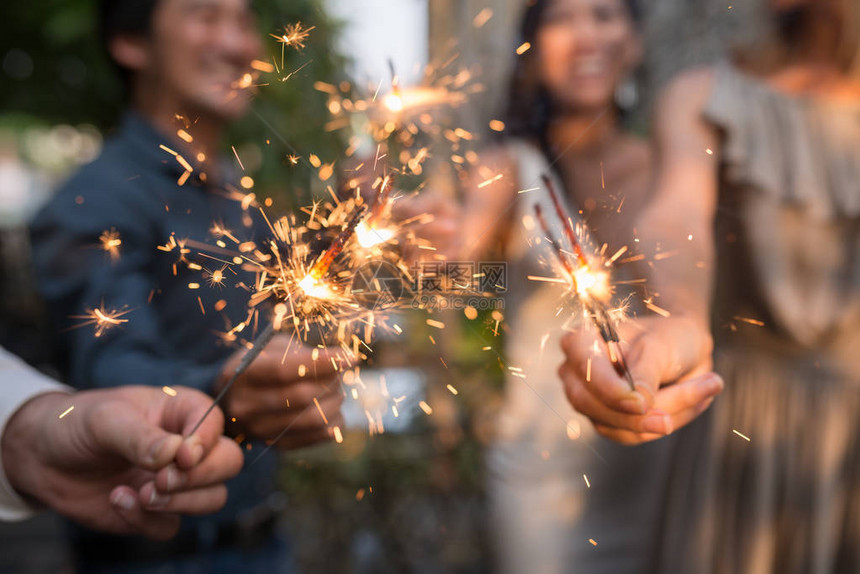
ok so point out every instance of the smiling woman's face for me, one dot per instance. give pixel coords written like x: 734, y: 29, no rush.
x: 199, y: 50
x: 585, y: 48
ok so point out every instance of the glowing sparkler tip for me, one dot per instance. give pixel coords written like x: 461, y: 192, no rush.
x: 393, y: 102
x: 102, y: 318
x: 294, y: 35
x: 317, y: 288
x: 368, y: 236
x: 594, y: 284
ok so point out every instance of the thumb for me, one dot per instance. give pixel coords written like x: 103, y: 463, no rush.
x: 121, y: 427
x: 668, y: 353
x: 588, y: 357
x: 193, y: 410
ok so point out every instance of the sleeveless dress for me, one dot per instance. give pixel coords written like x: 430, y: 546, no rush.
x: 786, y: 321
x: 533, y: 496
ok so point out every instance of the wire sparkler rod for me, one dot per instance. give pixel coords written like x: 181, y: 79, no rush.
x: 595, y: 308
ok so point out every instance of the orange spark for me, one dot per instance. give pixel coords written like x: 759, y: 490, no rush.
x: 111, y: 241
x: 102, y: 319
x: 319, y: 408
x: 294, y: 35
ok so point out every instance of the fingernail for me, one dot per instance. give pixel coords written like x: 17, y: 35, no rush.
x: 660, y: 424
x: 196, y: 448
x: 635, y: 405
x: 156, y: 499
x: 155, y: 450
x: 711, y: 385
x: 644, y: 391
x: 122, y: 500
x: 667, y: 422
x: 175, y: 479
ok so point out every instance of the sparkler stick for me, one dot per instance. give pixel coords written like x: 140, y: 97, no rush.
x: 323, y: 264
x: 259, y: 343
x: 566, y: 222
x: 595, y: 308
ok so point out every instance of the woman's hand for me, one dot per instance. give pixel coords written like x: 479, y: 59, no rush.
x: 670, y: 360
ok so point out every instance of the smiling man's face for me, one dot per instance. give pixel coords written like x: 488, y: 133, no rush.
x: 199, y: 51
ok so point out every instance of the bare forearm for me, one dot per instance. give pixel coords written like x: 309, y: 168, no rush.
x: 682, y: 255
x: 677, y: 229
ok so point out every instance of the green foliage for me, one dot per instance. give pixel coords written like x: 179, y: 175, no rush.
x: 71, y: 80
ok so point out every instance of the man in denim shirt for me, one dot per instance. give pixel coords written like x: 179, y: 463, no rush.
x: 184, y: 62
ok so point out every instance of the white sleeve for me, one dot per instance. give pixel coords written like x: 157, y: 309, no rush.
x: 18, y: 384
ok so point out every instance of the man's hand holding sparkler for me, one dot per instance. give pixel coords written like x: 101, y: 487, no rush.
x: 119, y: 460
x: 670, y: 359
x: 291, y: 393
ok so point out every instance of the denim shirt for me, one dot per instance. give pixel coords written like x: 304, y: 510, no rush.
x: 174, y: 335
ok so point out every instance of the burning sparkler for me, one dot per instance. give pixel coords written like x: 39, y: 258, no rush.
x: 306, y: 292
x: 377, y: 229
x: 401, y: 120
x: 293, y: 35
x: 589, y: 286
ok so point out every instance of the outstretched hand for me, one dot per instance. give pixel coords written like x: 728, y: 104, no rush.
x: 670, y: 360
x: 120, y: 461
